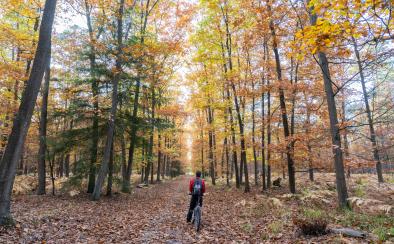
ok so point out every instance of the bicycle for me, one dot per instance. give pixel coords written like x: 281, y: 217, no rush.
x: 197, y: 215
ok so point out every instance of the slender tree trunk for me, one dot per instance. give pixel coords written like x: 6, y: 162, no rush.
x: 227, y: 161
x: 234, y: 163
x: 290, y: 162
x: 152, y: 131
x: 210, y: 142
x: 22, y: 120
x: 256, y: 174
x: 158, y: 158
x: 110, y: 171
x: 134, y: 120
x: 111, y: 123
x: 237, y: 106
x: 263, y: 140
x: 95, y: 94
x: 309, y: 147
x: 52, y: 171
x: 375, y: 151
x: 334, y: 125
x: 43, y: 129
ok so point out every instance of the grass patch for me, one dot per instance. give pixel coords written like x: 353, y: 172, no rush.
x: 381, y: 225
x: 360, y: 191
x: 275, y: 227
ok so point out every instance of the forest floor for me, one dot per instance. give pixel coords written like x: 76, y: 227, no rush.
x: 157, y: 214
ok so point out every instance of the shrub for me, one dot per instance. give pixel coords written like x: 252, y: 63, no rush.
x: 311, y: 221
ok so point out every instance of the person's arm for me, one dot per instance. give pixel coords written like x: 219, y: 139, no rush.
x: 203, y: 186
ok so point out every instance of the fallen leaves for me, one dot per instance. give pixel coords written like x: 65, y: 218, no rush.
x: 157, y: 214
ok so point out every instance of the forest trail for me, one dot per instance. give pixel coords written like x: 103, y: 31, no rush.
x: 157, y: 214
x: 150, y: 215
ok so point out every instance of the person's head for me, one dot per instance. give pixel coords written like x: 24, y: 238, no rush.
x: 198, y: 174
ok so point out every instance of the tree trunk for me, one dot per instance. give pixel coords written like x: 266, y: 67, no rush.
x: 158, y: 158
x: 290, y: 162
x: 375, y: 151
x: 134, y: 120
x: 256, y: 174
x: 237, y: 106
x: 110, y: 171
x: 22, y: 120
x: 234, y: 163
x: 111, y: 123
x: 43, y: 129
x: 210, y: 142
x: 334, y: 125
x: 263, y: 141
x: 152, y: 131
x: 95, y: 94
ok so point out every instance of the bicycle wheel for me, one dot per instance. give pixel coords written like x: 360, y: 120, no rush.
x: 197, y: 218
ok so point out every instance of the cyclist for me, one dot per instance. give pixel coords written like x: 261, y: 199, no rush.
x: 196, y: 189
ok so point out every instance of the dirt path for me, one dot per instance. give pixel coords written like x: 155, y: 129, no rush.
x: 158, y: 215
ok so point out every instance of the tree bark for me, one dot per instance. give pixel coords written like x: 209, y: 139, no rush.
x: 152, y: 131
x: 210, y: 142
x: 110, y: 171
x: 22, y: 120
x: 290, y: 162
x: 43, y: 129
x: 256, y: 182
x: 95, y: 94
x: 158, y: 158
x: 334, y: 125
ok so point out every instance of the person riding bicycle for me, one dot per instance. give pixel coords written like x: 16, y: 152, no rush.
x: 197, y: 190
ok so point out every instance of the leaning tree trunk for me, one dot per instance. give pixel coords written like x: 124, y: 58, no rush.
x: 22, y: 119
x: 111, y: 122
x: 334, y: 125
x: 375, y: 151
x: 43, y: 129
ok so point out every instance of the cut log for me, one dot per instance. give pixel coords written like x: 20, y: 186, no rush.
x: 348, y: 232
